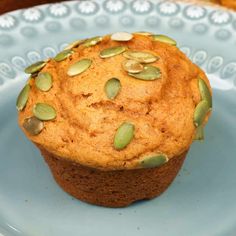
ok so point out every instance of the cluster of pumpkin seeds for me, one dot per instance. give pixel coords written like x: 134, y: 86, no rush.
x: 202, y: 109
x: 41, y: 111
x: 137, y: 64
x: 43, y: 82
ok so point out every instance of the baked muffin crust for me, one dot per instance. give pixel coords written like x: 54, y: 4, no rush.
x: 86, y: 122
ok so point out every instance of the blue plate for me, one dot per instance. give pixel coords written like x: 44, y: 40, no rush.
x: 200, y: 202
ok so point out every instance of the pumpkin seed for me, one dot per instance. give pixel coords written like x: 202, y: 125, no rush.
x: 34, y: 75
x: 112, y: 88
x: 121, y: 36
x: 144, y: 33
x: 79, y: 67
x: 124, y: 135
x: 142, y: 57
x: 23, y: 98
x: 111, y: 52
x: 132, y: 66
x: 205, y: 92
x: 148, y: 73
x: 164, y: 39
x: 200, y: 112
x: 63, y: 55
x: 153, y: 161
x: 44, y: 111
x: 74, y: 44
x: 199, y: 133
x: 92, y: 41
x: 33, y: 125
x: 43, y: 81
x: 35, y: 67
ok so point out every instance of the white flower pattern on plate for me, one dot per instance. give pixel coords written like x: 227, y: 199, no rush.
x: 32, y: 14
x: 141, y: 6
x: 195, y: 12
x: 220, y: 17
x: 168, y: 8
x: 7, y: 21
x: 87, y: 7
x: 58, y: 9
x: 114, y: 5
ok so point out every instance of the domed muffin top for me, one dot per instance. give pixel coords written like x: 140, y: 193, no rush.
x: 121, y: 101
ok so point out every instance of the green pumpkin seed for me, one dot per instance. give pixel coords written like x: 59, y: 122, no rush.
x: 43, y: 81
x: 33, y: 125
x: 35, y: 67
x: 200, y: 112
x: 63, y: 55
x: 199, y: 133
x: 74, y: 44
x: 142, y: 57
x: 164, y: 39
x: 124, y: 135
x: 148, y: 73
x: 112, y: 88
x: 92, y: 41
x: 44, y: 111
x: 23, y: 98
x: 132, y: 66
x: 111, y: 52
x: 121, y: 36
x: 153, y: 161
x: 205, y: 92
x: 79, y: 67
x: 144, y: 33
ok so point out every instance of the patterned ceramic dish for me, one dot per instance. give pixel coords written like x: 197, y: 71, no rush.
x: 202, y: 199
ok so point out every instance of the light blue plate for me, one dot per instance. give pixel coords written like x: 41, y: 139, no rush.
x: 201, y: 201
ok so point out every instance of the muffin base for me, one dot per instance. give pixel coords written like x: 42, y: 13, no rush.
x: 116, y: 188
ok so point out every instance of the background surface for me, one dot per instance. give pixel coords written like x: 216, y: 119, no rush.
x: 10, y: 5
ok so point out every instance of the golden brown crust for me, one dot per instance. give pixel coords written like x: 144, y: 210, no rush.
x: 229, y: 3
x: 117, y: 188
x: 161, y: 110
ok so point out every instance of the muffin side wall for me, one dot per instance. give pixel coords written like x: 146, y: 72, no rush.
x: 117, y: 188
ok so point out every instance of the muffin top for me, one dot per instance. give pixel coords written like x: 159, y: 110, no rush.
x: 121, y: 101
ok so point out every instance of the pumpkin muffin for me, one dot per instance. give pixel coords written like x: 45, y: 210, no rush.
x: 229, y: 3
x: 114, y: 116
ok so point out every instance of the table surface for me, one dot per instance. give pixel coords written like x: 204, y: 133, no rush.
x: 10, y: 5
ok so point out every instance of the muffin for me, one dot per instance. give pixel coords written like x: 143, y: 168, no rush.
x: 115, y: 116
x: 229, y: 3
